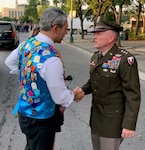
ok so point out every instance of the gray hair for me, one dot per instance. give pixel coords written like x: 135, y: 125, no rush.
x: 115, y: 34
x: 51, y: 17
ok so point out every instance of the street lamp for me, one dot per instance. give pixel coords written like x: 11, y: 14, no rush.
x: 71, y: 27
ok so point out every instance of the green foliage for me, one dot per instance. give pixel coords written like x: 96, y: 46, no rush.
x: 31, y: 10
x: 32, y: 14
x: 109, y: 16
x: 131, y: 35
x: 7, y: 19
x: 141, y: 36
x: 41, y: 10
x: 24, y: 19
x: 45, y: 2
x: 55, y: 2
x: 121, y: 2
x: 125, y: 18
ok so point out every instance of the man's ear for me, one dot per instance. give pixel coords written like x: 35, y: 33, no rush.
x: 55, y: 28
x: 111, y: 39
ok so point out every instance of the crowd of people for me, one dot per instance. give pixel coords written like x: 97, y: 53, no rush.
x: 26, y: 27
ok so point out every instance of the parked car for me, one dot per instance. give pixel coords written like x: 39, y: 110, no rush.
x: 9, y: 36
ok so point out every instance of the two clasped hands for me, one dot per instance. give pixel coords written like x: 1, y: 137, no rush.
x: 79, y: 93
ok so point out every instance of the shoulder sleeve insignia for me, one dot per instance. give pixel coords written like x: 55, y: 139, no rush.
x: 130, y: 60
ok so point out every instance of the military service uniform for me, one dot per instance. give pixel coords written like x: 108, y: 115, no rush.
x: 114, y: 84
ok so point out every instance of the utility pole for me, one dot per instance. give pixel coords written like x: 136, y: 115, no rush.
x: 71, y: 27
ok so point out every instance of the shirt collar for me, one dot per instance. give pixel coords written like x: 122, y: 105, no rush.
x: 104, y: 53
x: 43, y: 38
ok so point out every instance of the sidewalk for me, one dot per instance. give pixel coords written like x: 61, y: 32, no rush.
x: 86, y: 45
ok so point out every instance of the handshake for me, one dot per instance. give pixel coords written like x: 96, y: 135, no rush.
x: 78, y: 93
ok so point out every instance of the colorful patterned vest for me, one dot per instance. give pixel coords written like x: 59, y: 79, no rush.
x: 34, y: 100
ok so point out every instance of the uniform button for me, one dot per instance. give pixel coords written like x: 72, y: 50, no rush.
x: 96, y: 73
x: 117, y: 111
x: 95, y: 90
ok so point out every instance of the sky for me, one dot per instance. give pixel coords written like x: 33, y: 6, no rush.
x: 11, y: 3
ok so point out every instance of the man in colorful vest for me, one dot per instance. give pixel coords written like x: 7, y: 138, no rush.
x: 41, y: 81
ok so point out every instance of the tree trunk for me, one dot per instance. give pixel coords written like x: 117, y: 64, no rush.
x: 137, y: 20
x: 82, y: 28
x: 119, y: 22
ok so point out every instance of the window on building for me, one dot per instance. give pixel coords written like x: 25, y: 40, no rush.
x: 15, y: 14
x: 12, y: 14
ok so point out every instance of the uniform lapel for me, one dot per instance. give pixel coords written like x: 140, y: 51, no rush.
x: 108, y: 55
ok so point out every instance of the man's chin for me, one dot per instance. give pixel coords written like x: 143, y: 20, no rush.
x: 59, y: 41
x: 95, y: 46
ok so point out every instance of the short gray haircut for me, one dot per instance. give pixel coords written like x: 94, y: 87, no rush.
x: 116, y: 35
x: 51, y: 17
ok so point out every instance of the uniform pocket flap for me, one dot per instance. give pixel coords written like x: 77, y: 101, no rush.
x: 118, y: 109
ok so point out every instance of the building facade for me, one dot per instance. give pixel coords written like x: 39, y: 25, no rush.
x: 16, y: 12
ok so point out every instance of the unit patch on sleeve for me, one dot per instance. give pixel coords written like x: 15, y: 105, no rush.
x: 130, y: 60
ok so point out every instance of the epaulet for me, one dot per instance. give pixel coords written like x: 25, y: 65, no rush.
x: 125, y: 52
x: 129, y: 57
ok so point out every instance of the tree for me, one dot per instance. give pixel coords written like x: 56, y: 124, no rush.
x: 7, y: 19
x: 139, y: 5
x: 44, y: 2
x: 80, y: 14
x: 118, y: 14
x: 77, y: 5
x: 40, y: 9
x: 98, y: 8
x: 31, y: 10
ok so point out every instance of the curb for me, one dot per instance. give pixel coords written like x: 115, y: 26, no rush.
x: 141, y: 73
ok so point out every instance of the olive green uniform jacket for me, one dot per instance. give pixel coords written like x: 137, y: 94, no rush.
x: 114, y: 84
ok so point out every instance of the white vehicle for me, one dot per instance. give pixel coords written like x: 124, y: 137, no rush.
x: 88, y: 29
x: 76, y: 26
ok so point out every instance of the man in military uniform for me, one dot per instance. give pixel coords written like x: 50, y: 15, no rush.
x: 114, y: 84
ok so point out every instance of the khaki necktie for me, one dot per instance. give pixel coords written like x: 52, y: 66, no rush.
x: 100, y: 56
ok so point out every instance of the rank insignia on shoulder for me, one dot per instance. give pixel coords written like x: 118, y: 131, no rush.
x: 130, y: 60
x: 124, y: 51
